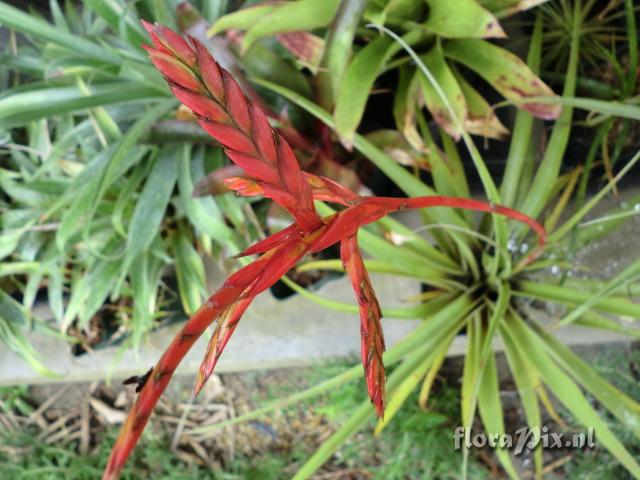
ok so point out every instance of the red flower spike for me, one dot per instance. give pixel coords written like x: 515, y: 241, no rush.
x: 372, y: 338
x: 249, y: 139
x: 266, y: 157
x: 226, y: 325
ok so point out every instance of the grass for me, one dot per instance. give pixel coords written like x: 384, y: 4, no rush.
x: 417, y: 445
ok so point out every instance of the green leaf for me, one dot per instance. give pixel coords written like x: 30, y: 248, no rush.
x: 573, y: 297
x: 12, y: 318
x: 292, y: 17
x: 337, y: 51
x: 89, y: 292
x: 462, y: 19
x: 54, y: 290
x: 626, y: 409
x: 491, y: 413
x: 123, y: 204
x: 189, y: 272
x: 549, y: 167
x: 242, y: 19
x: 203, y: 219
x: 481, y: 118
x: 628, y: 275
x: 527, y: 381
x: 583, y: 211
x: 568, y: 393
x: 20, y: 108
x: 400, y: 394
x: 353, y: 92
x: 522, y: 130
x: 504, y: 71
x: 122, y: 153
x: 58, y: 17
x: 119, y: 15
x: 21, y: 21
x: 435, y: 62
x: 152, y: 203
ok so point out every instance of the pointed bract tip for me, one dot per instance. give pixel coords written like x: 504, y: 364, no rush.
x: 149, y: 27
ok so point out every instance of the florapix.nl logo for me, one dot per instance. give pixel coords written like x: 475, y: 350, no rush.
x: 525, y: 438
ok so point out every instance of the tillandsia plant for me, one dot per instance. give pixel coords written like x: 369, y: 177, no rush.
x: 98, y: 164
x: 271, y: 171
x: 97, y: 170
x: 476, y: 284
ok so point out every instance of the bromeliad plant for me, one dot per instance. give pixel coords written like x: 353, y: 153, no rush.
x: 272, y: 171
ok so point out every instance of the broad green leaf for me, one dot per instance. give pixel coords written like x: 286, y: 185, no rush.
x: 292, y: 17
x: 504, y: 71
x: 242, y: 19
x: 337, y: 51
x: 354, y: 90
x: 435, y: 62
x: 505, y: 8
x: 462, y: 19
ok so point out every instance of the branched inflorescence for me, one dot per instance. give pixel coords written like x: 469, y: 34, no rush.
x: 272, y: 170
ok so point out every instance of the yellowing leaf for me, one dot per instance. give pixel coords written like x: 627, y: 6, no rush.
x: 505, y: 72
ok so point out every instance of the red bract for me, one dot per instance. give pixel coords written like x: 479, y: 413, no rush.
x: 272, y: 171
